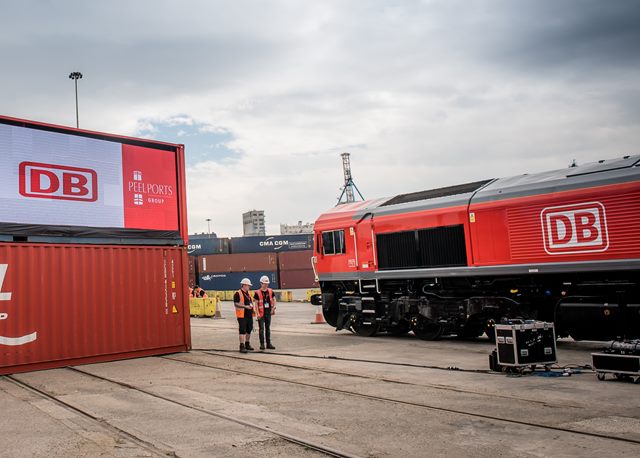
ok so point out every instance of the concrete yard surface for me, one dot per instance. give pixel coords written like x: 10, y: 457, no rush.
x: 321, y: 392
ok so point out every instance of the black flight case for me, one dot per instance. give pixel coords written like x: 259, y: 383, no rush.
x: 621, y: 358
x: 528, y: 343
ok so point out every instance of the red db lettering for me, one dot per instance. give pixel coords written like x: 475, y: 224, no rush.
x: 49, y: 181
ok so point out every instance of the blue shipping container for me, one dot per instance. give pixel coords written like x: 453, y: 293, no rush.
x: 199, y: 247
x: 260, y: 244
x: 228, y: 281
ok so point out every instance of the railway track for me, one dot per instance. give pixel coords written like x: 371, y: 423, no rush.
x: 302, y: 442
x: 430, y: 407
x: 226, y: 354
x: 114, y: 430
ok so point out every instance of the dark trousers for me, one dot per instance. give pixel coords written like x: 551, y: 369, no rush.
x: 245, y: 325
x: 265, y: 327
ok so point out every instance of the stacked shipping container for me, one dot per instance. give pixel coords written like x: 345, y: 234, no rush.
x: 295, y: 270
x: 274, y: 256
x: 71, y: 293
x: 213, y: 245
x: 223, y: 272
x: 271, y: 243
x: 229, y: 281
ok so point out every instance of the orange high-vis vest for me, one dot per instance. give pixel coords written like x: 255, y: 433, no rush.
x: 261, y: 301
x: 240, y: 311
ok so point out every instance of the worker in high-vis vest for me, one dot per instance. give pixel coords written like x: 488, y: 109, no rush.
x: 265, y: 307
x: 243, y: 302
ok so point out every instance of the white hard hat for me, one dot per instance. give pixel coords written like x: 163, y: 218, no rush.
x: 246, y: 281
x: 264, y: 279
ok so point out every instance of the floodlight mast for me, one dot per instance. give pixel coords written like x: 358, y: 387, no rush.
x: 75, y: 76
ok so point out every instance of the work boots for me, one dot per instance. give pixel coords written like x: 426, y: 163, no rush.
x: 248, y: 346
x: 243, y: 349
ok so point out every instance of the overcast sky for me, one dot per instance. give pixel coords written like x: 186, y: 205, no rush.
x: 265, y: 95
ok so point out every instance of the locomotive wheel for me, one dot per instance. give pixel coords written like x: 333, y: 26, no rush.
x: 400, y: 329
x: 427, y: 330
x: 330, y: 316
x: 365, y: 330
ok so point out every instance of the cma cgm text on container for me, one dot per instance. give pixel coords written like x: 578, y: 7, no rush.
x: 202, y: 246
x: 257, y: 244
x: 113, y: 211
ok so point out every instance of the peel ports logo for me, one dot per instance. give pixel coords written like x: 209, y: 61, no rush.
x: 49, y: 181
x: 577, y: 228
x: 151, y: 193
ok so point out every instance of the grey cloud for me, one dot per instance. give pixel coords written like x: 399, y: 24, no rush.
x: 578, y: 37
x: 424, y: 93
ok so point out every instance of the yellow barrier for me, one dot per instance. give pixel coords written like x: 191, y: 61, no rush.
x: 311, y: 292
x: 202, y: 306
x: 196, y: 306
x: 284, y: 296
x: 281, y: 296
x: 209, y: 306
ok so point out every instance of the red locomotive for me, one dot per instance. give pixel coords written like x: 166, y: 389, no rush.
x: 560, y: 246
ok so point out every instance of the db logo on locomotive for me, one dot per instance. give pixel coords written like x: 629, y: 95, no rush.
x: 577, y: 228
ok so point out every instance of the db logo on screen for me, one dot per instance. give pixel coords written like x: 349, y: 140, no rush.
x: 50, y: 181
x: 578, y: 228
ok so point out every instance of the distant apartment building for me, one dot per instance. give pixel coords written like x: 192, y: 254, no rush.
x: 253, y: 223
x: 288, y: 229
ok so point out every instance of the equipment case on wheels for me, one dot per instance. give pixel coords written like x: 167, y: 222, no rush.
x: 526, y: 344
x: 622, y: 359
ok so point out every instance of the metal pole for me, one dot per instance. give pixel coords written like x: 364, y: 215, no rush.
x: 77, y: 115
x: 75, y: 76
x: 209, y: 226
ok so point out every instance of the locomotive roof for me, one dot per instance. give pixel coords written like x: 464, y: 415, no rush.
x: 433, y: 193
x: 591, y: 174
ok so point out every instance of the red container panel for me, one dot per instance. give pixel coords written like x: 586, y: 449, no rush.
x: 297, y: 279
x: 242, y: 262
x: 294, y: 260
x: 71, y: 304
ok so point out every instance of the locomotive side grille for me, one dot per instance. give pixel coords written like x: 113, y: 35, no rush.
x: 397, y: 250
x: 434, y: 247
x: 442, y: 247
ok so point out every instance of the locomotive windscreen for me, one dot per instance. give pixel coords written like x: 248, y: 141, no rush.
x: 434, y: 247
